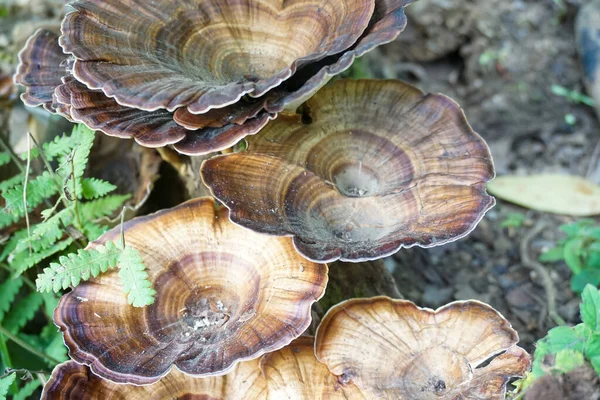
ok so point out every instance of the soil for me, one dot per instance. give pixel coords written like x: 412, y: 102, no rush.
x: 499, y: 60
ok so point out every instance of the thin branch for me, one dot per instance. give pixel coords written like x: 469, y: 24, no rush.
x: 541, y: 271
x: 12, y: 154
x: 25, y: 193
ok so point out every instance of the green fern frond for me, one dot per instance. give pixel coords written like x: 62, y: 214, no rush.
x: 72, y: 269
x: 92, y: 188
x: 12, y: 243
x: 77, y: 160
x: 22, y: 312
x: 4, y: 158
x: 7, y: 219
x: 11, y: 182
x: 27, y: 391
x: 103, y: 207
x: 38, y: 189
x: 5, y: 385
x: 47, y: 233
x: 134, y: 278
x: 23, y: 261
x: 60, y: 146
x: 8, y: 291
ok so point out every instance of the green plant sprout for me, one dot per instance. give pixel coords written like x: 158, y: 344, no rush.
x: 580, y: 251
x: 572, y: 95
x: 569, y: 347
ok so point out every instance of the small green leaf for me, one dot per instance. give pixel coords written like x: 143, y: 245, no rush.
x: 584, y: 278
x: 5, y: 385
x: 592, y: 351
x: 567, y: 360
x: 552, y: 255
x: 103, y: 207
x: 27, y: 391
x: 94, y: 188
x: 134, y: 278
x: 8, y: 291
x: 4, y: 158
x: 572, y: 254
x: 75, y: 267
x: 22, y: 312
x: 565, y: 338
x: 590, y: 308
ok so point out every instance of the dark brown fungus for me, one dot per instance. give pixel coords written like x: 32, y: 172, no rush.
x: 224, y: 295
x: 72, y: 381
x: 203, y: 54
x: 381, y: 166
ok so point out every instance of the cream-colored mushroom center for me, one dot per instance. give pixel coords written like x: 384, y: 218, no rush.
x: 356, y: 180
x: 360, y: 163
x: 433, y: 373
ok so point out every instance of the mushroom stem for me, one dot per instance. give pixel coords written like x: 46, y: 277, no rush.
x: 27, y: 347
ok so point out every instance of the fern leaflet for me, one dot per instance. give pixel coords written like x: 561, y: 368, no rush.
x: 103, y: 207
x: 11, y: 182
x: 38, y: 189
x: 8, y: 291
x: 23, y: 261
x: 5, y: 385
x: 4, y: 158
x: 26, y: 391
x: 72, y: 269
x: 92, y: 188
x: 134, y: 278
x: 22, y: 312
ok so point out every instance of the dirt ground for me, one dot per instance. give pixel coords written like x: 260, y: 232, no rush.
x: 499, y: 60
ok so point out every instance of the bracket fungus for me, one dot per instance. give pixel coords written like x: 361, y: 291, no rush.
x: 376, y: 166
x: 294, y: 373
x: 72, y: 381
x: 464, y: 350
x: 224, y: 295
x: 199, y: 75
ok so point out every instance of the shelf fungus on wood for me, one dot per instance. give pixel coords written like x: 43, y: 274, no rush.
x: 199, y: 75
x: 72, y: 381
x: 224, y: 295
x: 294, y: 373
x: 464, y: 350
x: 372, y: 166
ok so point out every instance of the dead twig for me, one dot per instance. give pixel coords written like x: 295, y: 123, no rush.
x: 541, y: 272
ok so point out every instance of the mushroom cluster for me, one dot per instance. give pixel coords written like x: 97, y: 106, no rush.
x: 354, y: 173
x: 365, y: 349
x: 197, y: 74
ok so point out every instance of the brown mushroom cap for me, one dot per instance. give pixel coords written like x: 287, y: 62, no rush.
x: 224, y: 294
x: 72, y: 381
x: 294, y: 373
x: 380, y: 166
x: 41, y: 68
x: 392, y: 349
x: 46, y: 73
x: 203, y: 54
x: 387, y: 22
